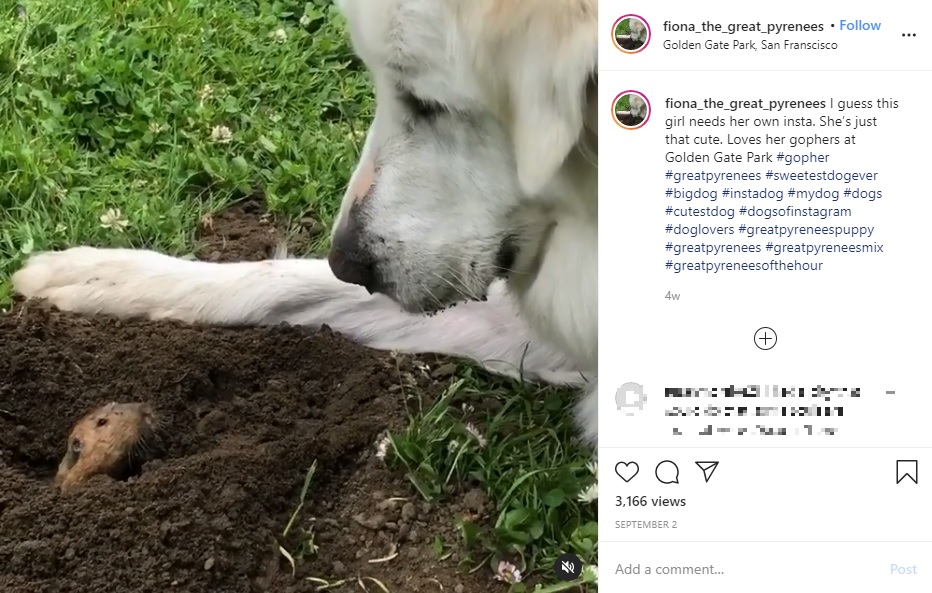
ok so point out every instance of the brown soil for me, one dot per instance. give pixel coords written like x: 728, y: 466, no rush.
x: 628, y: 120
x: 628, y: 44
x: 244, y: 232
x: 248, y: 412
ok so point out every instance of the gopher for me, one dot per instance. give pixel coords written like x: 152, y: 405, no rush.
x: 113, y: 440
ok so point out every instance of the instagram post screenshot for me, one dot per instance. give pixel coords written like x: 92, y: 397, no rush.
x: 308, y: 296
x: 763, y: 223
x: 303, y: 295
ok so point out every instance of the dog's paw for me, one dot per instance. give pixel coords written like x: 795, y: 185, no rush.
x: 91, y: 280
x: 48, y: 270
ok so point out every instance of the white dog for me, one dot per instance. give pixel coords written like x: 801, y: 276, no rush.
x: 638, y: 31
x: 477, y: 185
x: 638, y: 107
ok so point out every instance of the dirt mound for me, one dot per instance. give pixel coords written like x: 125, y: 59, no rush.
x: 248, y: 412
x: 244, y: 232
x: 628, y: 120
x: 628, y: 44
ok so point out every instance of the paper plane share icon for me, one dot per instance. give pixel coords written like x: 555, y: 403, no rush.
x: 708, y: 468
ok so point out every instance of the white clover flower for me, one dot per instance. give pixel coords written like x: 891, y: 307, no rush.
x: 382, y: 448
x: 471, y: 429
x: 205, y: 93
x: 590, y: 494
x: 279, y: 35
x: 114, y: 220
x: 221, y: 135
x: 508, y: 573
x: 593, y: 467
x: 305, y: 20
x: 590, y: 573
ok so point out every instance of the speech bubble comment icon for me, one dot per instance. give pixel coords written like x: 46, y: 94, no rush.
x: 667, y: 472
x: 630, y: 397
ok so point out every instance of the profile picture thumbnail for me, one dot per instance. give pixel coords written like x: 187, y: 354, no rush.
x: 631, y: 110
x: 631, y: 34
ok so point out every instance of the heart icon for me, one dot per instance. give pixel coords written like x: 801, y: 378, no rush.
x: 626, y: 470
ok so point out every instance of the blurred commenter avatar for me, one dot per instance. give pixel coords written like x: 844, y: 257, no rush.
x: 629, y: 396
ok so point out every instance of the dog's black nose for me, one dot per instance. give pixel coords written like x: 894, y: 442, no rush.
x: 350, y: 263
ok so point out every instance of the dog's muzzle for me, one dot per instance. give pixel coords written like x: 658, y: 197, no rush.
x: 349, y: 261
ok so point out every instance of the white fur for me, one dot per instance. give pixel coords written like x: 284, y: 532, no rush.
x: 508, y: 156
x: 638, y: 107
x: 638, y: 30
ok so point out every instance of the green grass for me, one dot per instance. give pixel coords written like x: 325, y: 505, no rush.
x: 114, y: 119
x: 517, y: 443
x: 623, y: 103
x: 623, y: 27
x: 112, y: 105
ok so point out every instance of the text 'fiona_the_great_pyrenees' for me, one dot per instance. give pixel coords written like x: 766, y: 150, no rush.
x: 476, y: 186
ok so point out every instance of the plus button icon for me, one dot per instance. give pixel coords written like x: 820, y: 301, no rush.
x: 765, y: 338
